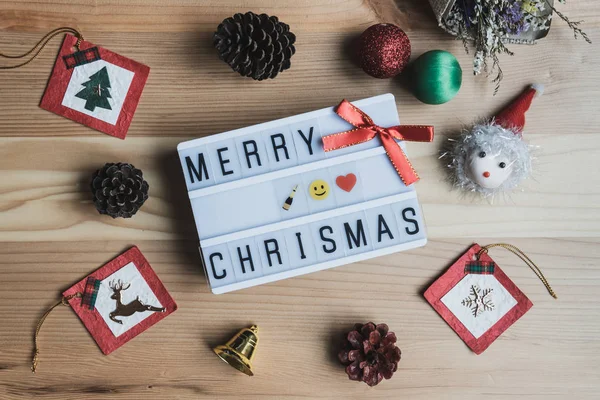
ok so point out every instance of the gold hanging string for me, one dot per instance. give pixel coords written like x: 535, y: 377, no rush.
x: 40, y: 46
x: 516, y: 251
x: 65, y: 302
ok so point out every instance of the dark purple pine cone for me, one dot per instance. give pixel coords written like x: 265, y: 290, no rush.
x: 370, y: 353
x: 119, y: 190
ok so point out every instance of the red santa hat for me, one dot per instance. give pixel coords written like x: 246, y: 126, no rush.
x: 513, y: 116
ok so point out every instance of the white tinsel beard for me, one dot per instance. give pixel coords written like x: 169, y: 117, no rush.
x: 492, y: 139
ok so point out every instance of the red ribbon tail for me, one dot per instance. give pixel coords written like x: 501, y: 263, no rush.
x: 399, y: 160
x: 412, y: 133
x: 353, y: 115
x: 348, y: 138
x: 366, y: 130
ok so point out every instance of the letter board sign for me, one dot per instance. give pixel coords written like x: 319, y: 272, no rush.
x: 269, y: 203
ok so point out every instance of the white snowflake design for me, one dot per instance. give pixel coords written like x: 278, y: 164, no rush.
x: 479, y: 300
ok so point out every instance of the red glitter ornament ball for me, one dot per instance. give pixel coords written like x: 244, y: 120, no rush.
x: 383, y: 50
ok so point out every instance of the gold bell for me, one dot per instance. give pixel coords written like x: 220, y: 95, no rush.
x: 239, y: 351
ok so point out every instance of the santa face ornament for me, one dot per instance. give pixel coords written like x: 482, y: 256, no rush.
x: 492, y: 157
x: 480, y: 165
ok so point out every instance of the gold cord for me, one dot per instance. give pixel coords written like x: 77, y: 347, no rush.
x: 516, y: 251
x: 65, y: 302
x: 40, y: 46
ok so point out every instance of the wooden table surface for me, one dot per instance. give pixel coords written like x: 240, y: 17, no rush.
x: 51, y: 235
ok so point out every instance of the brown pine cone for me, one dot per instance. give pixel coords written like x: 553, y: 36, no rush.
x: 257, y: 46
x: 119, y: 190
x: 370, y: 353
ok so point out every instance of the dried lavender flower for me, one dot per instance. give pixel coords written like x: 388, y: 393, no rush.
x: 490, y: 24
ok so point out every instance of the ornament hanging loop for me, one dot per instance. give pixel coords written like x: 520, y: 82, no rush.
x: 78, y: 43
x: 35, y: 50
x: 63, y: 301
x: 516, y: 251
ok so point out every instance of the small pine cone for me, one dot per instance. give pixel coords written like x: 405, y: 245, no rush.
x: 119, y: 190
x: 370, y: 353
x: 257, y: 46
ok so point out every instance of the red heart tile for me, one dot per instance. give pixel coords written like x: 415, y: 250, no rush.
x: 346, y: 182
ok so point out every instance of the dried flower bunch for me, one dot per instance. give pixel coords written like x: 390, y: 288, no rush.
x: 370, y: 353
x: 493, y: 23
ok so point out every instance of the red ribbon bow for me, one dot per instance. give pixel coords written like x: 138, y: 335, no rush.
x: 366, y: 130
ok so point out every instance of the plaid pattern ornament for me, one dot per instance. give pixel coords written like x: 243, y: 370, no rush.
x: 95, y: 87
x: 116, y: 302
x: 477, y: 299
x: 128, y: 298
x: 82, y: 57
x: 90, y: 292
x: 480, y: 267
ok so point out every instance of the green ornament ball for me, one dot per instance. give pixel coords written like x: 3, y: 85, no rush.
x: 436, y: 77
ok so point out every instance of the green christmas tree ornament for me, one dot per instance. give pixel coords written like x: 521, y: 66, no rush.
x: 97, y: 91
x: 436, y: 77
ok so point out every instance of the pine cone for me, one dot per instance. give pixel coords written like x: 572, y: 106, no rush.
x: 119, y: 190
x: 253, y: 45
x: 370, y: 353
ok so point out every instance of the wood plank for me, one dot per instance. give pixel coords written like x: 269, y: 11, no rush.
x: 546, y: 354
x: 44, y: 191
x: 191, y: 93
x: 191, y: 15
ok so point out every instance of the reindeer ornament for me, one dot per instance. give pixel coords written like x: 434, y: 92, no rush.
x: 126, y: 310
x: 491, y: 157
x: 93, y: 300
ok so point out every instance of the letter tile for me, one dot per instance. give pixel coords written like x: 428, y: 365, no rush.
x: 252, y: 154
x: 280, y: 148
x: 197, y: 168
x: 387, y: 182
x: 225, y: 161
x: 291, y: 204
x: 307, y: 138
x: 218, y: 266
x: 328, y: 240
x: 383, y: 227
x: 410, y: 220
x: 245, y: 258
x: 347, y: 184
x: 355, y: 234
x: 318, y: 189
x: 301, y: 246
x: 236, y: 209
x: 273, y: 252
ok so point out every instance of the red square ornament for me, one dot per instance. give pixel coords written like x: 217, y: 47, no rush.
x: 477, y: 299
x: 95, y: 87
x: 121, y: 300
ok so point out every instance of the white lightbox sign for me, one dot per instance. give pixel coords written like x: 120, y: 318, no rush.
x: 270, y: 204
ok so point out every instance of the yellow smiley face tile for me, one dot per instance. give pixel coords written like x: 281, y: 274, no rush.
x: 319, y: 189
